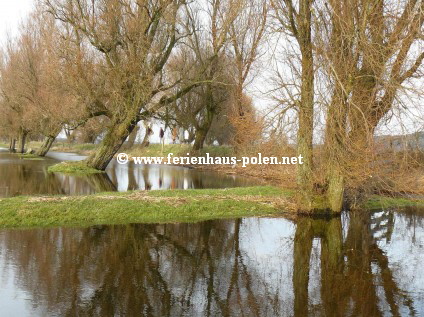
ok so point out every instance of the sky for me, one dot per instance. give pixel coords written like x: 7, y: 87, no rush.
x: 11, y: 14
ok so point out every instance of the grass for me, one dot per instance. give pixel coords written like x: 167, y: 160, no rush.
x: 157, y: 206
x: 29, y: 156
x: 378, y: 202
x: 140, y: 207
x: 78, y: 168
x: 76, y: 147
x: 267, y: 191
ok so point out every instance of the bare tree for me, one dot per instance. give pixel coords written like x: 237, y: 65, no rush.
x: 370, y: 50
x: 130, y: 42
x: 298, y: 22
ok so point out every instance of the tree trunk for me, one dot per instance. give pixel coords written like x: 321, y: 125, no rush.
x: 306, y: 108
x: 45, y: 147
x: 133, y: 137
x: 21, y: 142
x: 191, y: 136
x: 335, y: 150
x: 202, y: 131
x: 199, y: 139
x: 69, y: 134
x: 12, y: 145
x: 110, y: 145
x: 146, y: 137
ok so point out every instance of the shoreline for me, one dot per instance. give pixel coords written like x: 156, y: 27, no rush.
x: 162, y: 206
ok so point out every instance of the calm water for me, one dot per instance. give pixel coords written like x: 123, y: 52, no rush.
x: 362, y: 264
x: 30, y: 176
x: 356, y: 265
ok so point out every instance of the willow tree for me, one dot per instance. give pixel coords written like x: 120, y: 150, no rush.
x: 371, y: 51
x: 17, y: 91
x: 32, y: 82
x: 197, y: 110
x: 296, y: 20
x: 128, y: 43
x: 209, y: 49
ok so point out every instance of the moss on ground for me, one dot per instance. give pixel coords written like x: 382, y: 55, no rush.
x: 79, y: 168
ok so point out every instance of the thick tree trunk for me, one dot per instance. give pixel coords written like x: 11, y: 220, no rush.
x: 21, y: 142
x: 110, y: 145
x: 335, y: 191
x: 335, y: 150
x: 45, y: 147
x: 203, y: 129
x: 199, y: 139
x: 306, y: 108
x: 202, y: 132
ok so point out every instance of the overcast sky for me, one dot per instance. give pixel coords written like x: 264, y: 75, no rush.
x: 11, y: 14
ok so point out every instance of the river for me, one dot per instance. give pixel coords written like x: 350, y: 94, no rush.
x: 29, y: 176
x: 359, y: 264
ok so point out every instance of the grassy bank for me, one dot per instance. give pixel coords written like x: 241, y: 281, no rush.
x: 76, y: 168
x: 379, y: 202
x: 157, y: 206
x: 142, y: 207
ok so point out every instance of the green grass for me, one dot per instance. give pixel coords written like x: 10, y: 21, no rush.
x: 268, y: 191
x: 138, y: 207
x: 157, y: 206
x: 378, y: 202
x: 86, y: 147
x: 73, y: 168
x: 31, y: 157
x: 81, y: 148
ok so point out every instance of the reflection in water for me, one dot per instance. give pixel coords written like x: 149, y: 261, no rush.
x: 30, y: 176
x: 357, y: 265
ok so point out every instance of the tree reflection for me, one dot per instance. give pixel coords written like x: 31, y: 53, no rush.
x: 31, y: 176
x: 150, y: 270
x: 207, y: 269
x: 349, y: 269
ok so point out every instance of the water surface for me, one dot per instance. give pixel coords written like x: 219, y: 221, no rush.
x: 30, y: 177
x: 364, y: 264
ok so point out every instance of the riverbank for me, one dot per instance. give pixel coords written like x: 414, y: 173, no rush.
x: 143, y: 207
x: 281, y: 175
x: 160, y: 206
